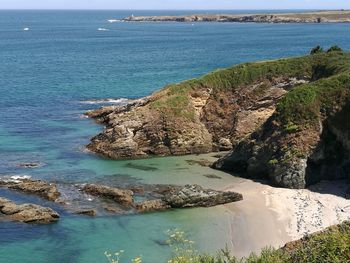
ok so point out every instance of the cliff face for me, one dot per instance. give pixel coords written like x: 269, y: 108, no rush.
x: 307, y: 139
x: 286, y: 120
x: 202, y: 115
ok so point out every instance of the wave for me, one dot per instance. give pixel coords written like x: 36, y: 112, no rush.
x: 113, y: 20
x: 119, y: 101
x: 102, y: 29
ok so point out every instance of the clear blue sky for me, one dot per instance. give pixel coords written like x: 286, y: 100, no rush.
x: 174, y: 4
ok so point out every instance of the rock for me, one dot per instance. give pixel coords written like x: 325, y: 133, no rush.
x: 196, y: 196
x: 27, y: 213
x: 87, y: 212
x: 201, y: 162
x: 212, y: 176
x: 121, y: 196
x: 209, y: 118
x: 42, y: 189
x: 339, y: 16
x: 151, y: 205
x: 29, y: 165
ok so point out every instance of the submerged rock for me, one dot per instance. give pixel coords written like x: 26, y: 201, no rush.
x: 87, y: 212
x: 29, y: 165
x: 27, y: 213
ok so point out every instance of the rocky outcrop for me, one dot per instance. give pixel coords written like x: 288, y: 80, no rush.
x: 121, y: 196
x: 170, y: 196
x: 27, y: 213
x: 196, y: 196
x: 42, y: 189
x: 162, y: 197
x: 208, y: 114
x: 310, y: 17
x: 151, y: 206
x: 307, y: 139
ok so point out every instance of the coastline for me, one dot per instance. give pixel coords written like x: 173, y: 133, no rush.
x: 335, y: 16
x: 277, y: 216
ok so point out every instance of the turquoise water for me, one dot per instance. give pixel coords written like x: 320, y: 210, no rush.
x: 49, y: 72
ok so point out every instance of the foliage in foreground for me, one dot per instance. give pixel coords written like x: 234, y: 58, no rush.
x: 331, y: 245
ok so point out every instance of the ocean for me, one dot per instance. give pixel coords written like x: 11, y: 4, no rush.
x: 68, y: 62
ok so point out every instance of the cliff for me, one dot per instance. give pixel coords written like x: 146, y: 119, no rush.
x: 307, y: 138
x: 340, y: 16
x: 211, y: 113
x: 285, y: 120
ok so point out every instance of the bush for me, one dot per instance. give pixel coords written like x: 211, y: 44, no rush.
x: 316, y: 50
x: 334, y: 49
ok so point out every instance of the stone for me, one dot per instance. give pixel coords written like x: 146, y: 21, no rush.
x: 42, y: 189
x: 87, y: 212
x: 151, y: 205
x: 27, y: 213
x: 196, y: 196
x: 121, y: 196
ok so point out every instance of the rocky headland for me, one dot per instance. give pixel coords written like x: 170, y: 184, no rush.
x: 340, y: 16
x: 285, y: 120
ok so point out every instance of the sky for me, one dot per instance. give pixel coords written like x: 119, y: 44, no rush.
x: 174, y: 4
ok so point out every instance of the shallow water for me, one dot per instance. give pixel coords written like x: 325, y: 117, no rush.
x: 64, y: 60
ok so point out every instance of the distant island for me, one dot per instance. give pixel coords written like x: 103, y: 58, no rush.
x: 339, y: 16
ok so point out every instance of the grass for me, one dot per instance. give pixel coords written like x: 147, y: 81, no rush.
x: 329, y: 73
x: 329, y: 246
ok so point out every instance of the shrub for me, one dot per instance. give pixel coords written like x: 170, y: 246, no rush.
x: 334, y: 48
x: 316, y: 50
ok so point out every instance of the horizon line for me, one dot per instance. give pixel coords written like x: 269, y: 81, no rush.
x: 113, y: 9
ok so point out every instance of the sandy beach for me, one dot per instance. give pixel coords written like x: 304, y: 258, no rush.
x: 270, y: 216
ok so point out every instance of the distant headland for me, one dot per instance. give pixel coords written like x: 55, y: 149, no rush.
x: 335, y: 16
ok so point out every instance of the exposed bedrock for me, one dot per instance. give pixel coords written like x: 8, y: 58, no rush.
x: 297, y: 155
x: 40, y: 188
x: 162, y: 197
x: 193, y: 117
x: 27, y: 213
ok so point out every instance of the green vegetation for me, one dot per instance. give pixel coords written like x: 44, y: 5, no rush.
x: 304, y: 101
x: 334, y: 48
x: 273, y: 162
x: 316, y: 50
x: 304, y: 105
x: 331, y: 245
x: 173, y: 100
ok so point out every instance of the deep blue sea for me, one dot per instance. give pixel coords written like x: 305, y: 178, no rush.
x: 50, y: 73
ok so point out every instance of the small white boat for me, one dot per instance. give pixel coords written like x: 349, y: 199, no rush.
x: 102, y: 29
x: 26, y: 29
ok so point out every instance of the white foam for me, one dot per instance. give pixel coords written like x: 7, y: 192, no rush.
x: 26, y: 29
x: 20, y: 177
x: 119, y: 101
x: 102, y: 29
x: 113, y: 20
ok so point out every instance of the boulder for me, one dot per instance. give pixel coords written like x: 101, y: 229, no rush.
x: 196, y: 196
